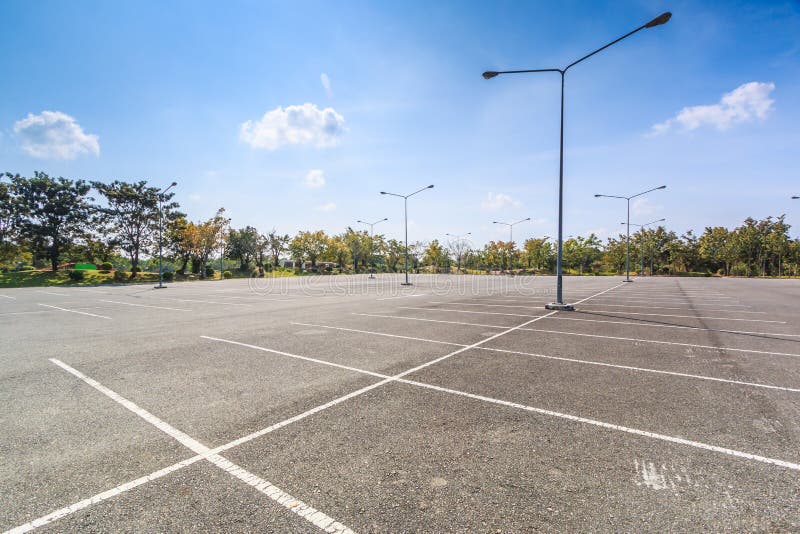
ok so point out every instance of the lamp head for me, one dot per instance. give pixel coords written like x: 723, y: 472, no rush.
x: 430, y: 186
x: 489, y: 74
x: 383, y: 193
x: 795, y: 198
x: 598, y: 196
x: 173, y: 184
x: 659, y: 20
x: 662, y: 187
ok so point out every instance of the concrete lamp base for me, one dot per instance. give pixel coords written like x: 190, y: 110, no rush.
x: 159, y: 287
x: 559, y: 307
x: 627, y: 280
x: 406, y: 284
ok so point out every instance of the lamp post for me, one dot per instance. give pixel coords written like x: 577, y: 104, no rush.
x: 405, y: 217
x: 628, y: 239
x: 659, y: 20
x: 643, y: 226
x: 459, y: 239
x: 371, y: 244
x: 160, y: 232
x: 511, y: 235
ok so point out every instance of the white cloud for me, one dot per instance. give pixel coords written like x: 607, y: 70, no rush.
x: 330, y: 206
x: 499, y: 201
x: 315, y: 179
x: 53, y: 134
x: 294, y: 125
x: 326, y: 84
x: 746, y: 103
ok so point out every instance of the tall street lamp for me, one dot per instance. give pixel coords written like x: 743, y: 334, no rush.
x: 559, y: 304
x: 459, y: 239
x: 511, y: 235
x: 160, y: 232
x: 642, y: 227
x: 628, y: 239
x: 405, y: 216
x: 371, y: 243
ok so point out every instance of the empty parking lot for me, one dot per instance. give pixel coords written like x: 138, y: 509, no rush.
x: 345, y: 403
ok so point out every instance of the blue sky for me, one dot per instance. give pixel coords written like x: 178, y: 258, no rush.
x: 295, y: 115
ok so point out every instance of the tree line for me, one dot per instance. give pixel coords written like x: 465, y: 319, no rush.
x: 54, y: 222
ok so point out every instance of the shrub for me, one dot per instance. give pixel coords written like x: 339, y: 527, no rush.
x: 168, y: 276
x: 209, y: 271
x: 226, y: 275
x: 120, y: 276
x: 76, y: 275
x: 106, y: 266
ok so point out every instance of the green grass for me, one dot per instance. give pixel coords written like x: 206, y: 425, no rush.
x: 94, y: 278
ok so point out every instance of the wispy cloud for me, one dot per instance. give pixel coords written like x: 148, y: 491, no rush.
x: 315, y: 179
x: 53, y: 134
x: 294, y: 125
x: 642, y: 206
x: 328, y: 207
x: 498, y: 201
x: 746, y: 103
x: 326, y: 84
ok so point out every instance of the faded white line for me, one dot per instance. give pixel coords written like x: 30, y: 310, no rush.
x: 52, y: 293
x: 677, y: 308
x: 303, y: 510
x: 74, y: 311
x: 8, y: 297
x: 561, y: 359
x: 144, y: 305
x: 466, y: 311
x: 690, y: 316
x: 656, y: 325
x: 638, y: 340
x: 203, y: 301
x: 611, y: 426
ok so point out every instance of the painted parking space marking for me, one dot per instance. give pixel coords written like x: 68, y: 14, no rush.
x: 297, y: 506
x: 562, y: 359
x: 645, y: 323
x: 74, y: 311
x: 569, y: 417
x: 144, y: 305
x: 8, y: 297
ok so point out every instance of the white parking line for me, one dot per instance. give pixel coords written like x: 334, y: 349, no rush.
x: 525, y: 329
x: 690, y: 316
x: 74, y: 311
x: 657, y: 325
x: 559, y: 358
x: 144, y: 305
x: 466, y: 311
x: 551, y: 413
x: 53, y: 293
x: 203, y: 301
x: 8, y: 297
x: 638, y: 340
x: 651, y: 307
x: 604, y: 304
x: 611, y: 426
x: 298, y: 507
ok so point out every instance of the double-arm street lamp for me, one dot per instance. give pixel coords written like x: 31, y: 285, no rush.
x: 160, y: 232
x: 628, y: 223
x: 659, y: 20
x: 511, y: 235
x: 371, y: 242
x: 642, y: 226
x: 405, y: 217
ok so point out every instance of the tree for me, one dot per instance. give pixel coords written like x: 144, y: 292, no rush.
x: 243, y: 245
x: 277, y: 245
x: 132, y: 216
x: 436, y: 256
x: 395, y: 250
x: 538, y: 252
x: 458, y: 247
x: 357, y: 244
x: 203, y: 238
x: 309, y: 245
x: 51, y: 212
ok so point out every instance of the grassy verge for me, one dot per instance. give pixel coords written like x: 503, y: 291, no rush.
x: 94, y: 278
